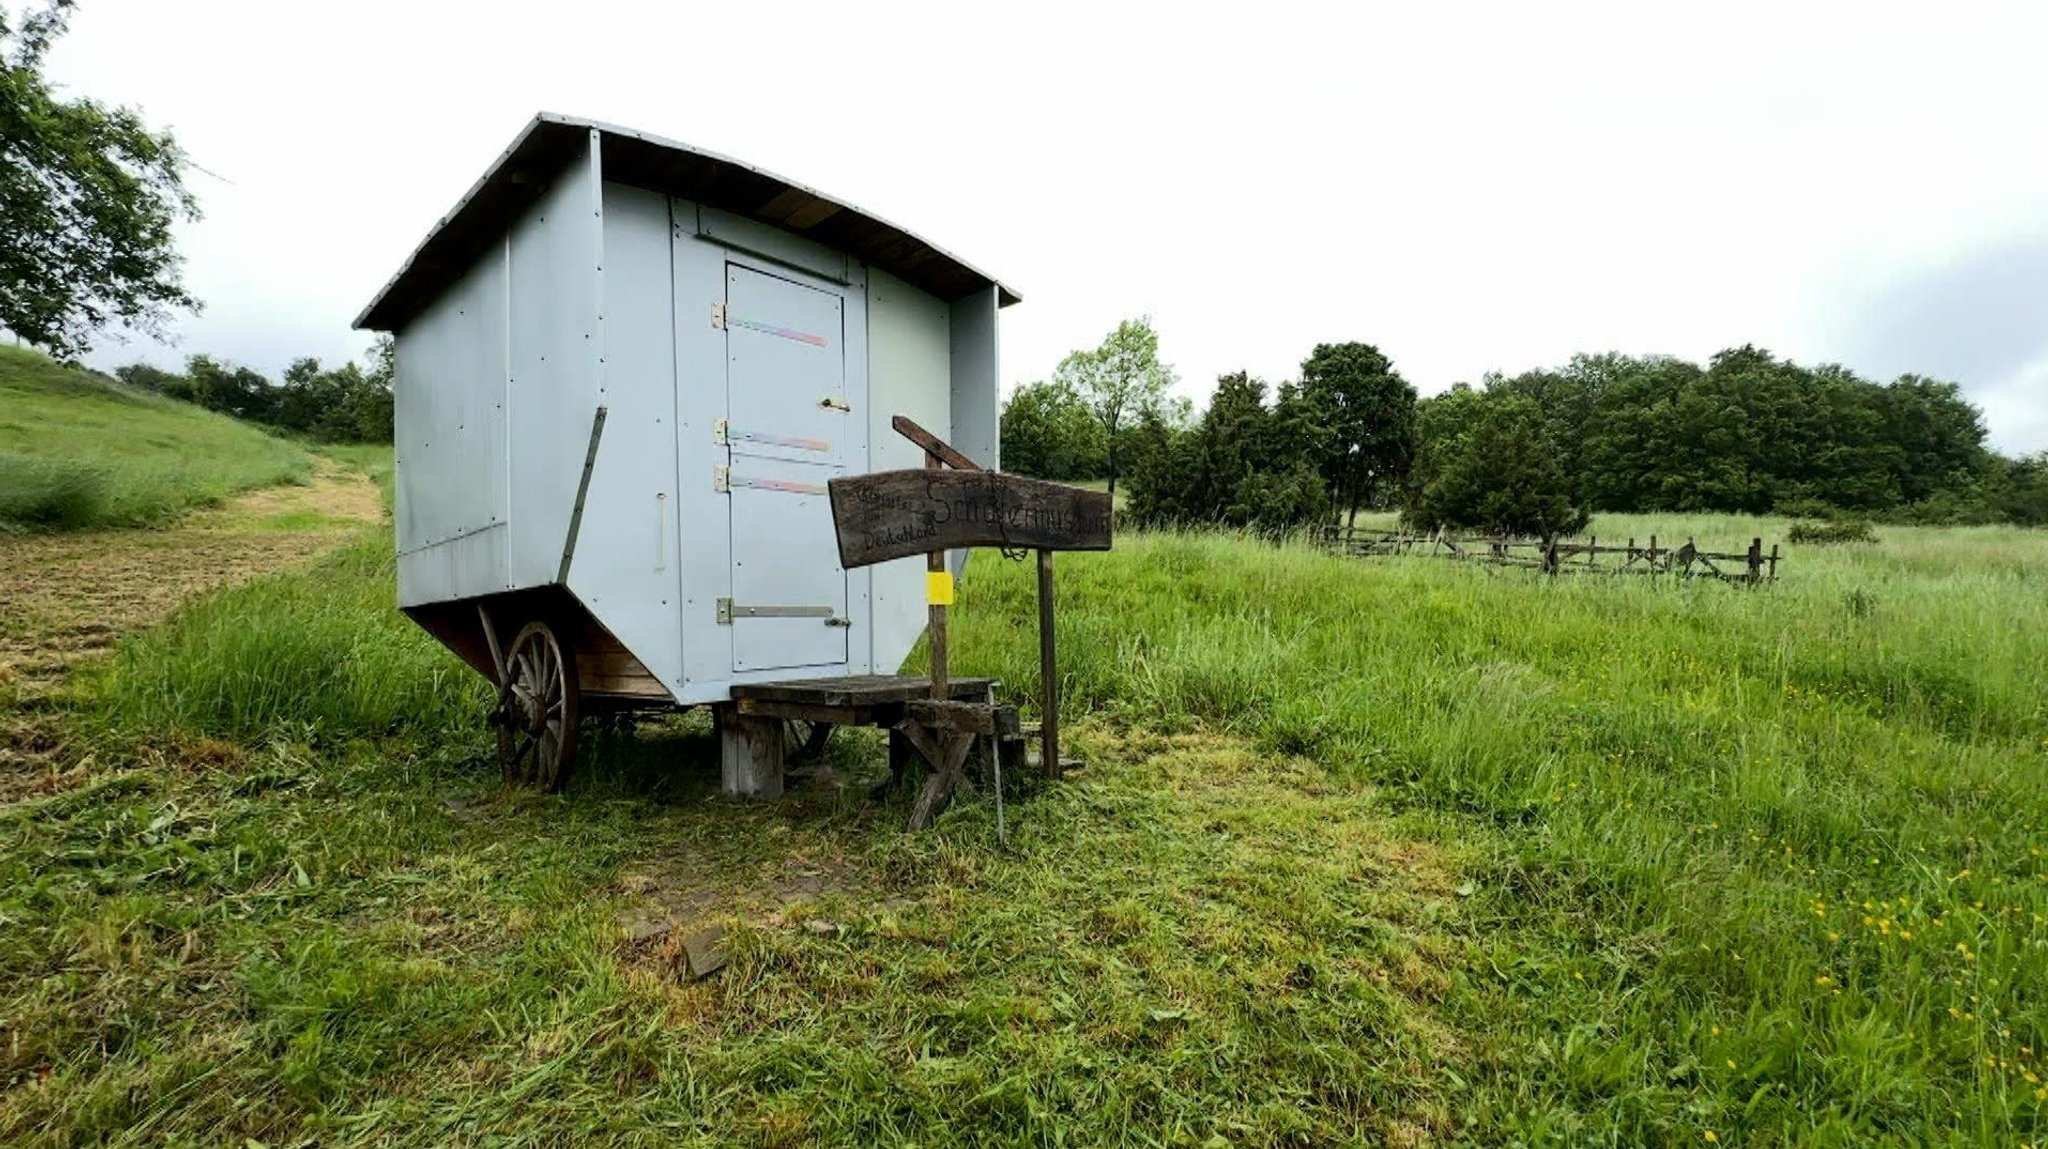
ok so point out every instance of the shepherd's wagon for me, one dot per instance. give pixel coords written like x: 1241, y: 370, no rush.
x: 626, y: 370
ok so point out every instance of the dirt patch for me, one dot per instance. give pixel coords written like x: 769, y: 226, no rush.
x: 65, y: 599
x: 681, y: 900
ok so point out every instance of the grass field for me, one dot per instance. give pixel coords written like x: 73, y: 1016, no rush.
x: 1390, y: 851
x: 78, y: 451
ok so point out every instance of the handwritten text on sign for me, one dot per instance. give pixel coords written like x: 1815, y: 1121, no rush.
x: 893, y: 514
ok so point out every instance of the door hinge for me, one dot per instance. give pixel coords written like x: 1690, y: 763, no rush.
x: 721, y: 479
x: 718, y: 316
x: 718, y: 433
x: 725, y: 612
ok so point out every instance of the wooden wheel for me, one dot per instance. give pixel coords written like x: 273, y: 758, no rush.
x: 537, y: 706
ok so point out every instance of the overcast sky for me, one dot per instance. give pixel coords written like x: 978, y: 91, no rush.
x: 1471, y: 187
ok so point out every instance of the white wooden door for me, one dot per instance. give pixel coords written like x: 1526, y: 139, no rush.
x: 785, y: 431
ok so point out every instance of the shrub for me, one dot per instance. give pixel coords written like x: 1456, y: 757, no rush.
x: 49, y: 494
x: 1806, y: 507
x: 1826, y: 532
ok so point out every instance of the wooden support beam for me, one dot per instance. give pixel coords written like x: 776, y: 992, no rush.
x: 948, y: 753
x: 933, y: 445
x: 751, y: 753
x: 964, y: 717
x: 832, y: 715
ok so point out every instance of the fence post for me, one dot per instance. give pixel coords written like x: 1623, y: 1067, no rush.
x: 1756, y: 561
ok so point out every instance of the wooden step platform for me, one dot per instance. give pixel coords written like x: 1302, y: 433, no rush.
x: 857, y: 691
x: 750, y: 734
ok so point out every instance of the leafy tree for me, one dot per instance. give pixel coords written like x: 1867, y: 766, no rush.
x: 88, y: 195
x: 1489, y: 463
x: 1120, y: 380
x: 1049, y: 432
x: 1226, y: 470
x: 1751, y: 433
x: 1222, y: 451
x: 145, y: 377
x: 377, y: 410
x: 224, y: 387
x: 346, y: 404
x: 1936, y: 437
x: 2023, y: 498
x: 1368, y: 411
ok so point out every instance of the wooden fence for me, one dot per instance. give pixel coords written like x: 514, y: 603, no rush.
x: 1558, y: 556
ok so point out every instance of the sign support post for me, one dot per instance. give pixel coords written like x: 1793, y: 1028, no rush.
x: 1048, y: 671
x: 936, y: 574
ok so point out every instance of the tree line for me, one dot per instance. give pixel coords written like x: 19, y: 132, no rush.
x: 1746, y: 432
x: 1535, y: 454
x: 345, y: 404
x: 1340, y: 437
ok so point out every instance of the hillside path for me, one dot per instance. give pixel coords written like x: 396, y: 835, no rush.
x: 67, y: 598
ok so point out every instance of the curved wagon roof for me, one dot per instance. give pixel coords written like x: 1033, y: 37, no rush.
x: 547, y: 145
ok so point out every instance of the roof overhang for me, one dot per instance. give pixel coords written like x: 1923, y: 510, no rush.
x: 551, y: 142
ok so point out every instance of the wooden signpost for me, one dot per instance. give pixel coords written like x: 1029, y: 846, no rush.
x: 891, y: 514
x: 929, y: 511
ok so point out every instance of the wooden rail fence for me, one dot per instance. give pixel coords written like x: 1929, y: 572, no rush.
x: 1557, y: 556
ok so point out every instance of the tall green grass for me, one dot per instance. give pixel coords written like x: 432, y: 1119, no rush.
x: 319, y: 651
x: 50, y: 494
x: 79, y: 451
x: 1718, y: 813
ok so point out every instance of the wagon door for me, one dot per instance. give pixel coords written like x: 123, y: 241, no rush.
x: 786, y: 419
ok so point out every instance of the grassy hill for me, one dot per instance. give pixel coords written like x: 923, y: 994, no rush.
x: 78, y: 451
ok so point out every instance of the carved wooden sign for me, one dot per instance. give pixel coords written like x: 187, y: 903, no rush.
x: 894, y: 514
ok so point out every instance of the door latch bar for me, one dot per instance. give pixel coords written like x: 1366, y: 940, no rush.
x: 728, y: 611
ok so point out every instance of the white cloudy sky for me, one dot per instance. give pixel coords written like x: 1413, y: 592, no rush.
x: 1472, y: 187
